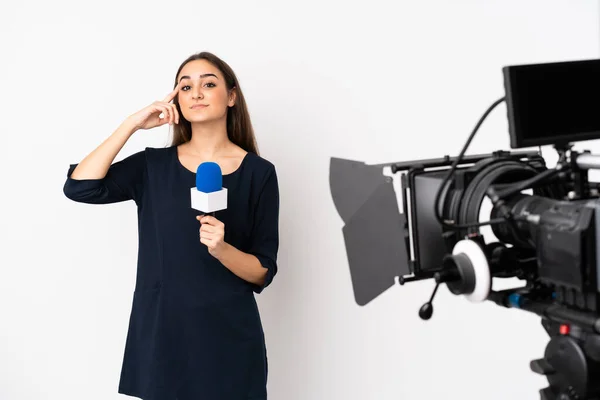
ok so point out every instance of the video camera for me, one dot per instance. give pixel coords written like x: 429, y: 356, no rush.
x: 545, y: 220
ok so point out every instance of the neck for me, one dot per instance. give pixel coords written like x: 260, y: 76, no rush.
x: 209, y: 139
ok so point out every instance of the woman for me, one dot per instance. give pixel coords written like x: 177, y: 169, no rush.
x: 195, y: 330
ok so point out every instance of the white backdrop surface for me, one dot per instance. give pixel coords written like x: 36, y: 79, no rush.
x: 378, y: 82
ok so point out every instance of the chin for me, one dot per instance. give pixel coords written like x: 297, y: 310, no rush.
x: 198, y: 119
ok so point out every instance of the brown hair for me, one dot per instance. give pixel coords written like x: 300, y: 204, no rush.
x: 239, y: 126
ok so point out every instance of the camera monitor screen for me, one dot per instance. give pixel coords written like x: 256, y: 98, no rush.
x: 553, y: 103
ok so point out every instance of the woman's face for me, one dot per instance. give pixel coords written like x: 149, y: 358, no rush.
x: 203, y: 94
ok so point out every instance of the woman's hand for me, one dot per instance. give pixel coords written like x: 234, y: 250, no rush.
x: 149, y: 117
x: 212, y: 234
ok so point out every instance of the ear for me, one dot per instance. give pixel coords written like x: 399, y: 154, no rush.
x: 232, y: 97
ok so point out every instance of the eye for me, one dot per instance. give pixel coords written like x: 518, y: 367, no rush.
x: 211, y: 83
x: 185, y: 88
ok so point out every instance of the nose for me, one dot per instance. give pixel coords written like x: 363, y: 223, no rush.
x: 197, y: 93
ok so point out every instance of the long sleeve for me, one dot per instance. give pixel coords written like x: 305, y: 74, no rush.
x: 265, y: 233
x: 123, y: 181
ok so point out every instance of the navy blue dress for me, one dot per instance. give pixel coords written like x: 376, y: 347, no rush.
x: 195, y: 331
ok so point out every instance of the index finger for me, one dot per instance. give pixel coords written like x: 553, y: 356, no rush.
x: 209, y: 219
x: 172, y: 95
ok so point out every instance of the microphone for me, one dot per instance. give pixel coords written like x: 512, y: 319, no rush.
x: 209, y: 195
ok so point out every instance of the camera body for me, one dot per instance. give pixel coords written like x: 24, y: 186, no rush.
x: 547, y: 238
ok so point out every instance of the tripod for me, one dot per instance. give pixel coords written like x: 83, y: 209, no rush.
x: 571, y: 363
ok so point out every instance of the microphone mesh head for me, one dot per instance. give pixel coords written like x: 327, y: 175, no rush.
x: 209, y: 177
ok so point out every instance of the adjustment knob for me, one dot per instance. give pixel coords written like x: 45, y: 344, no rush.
x: 426, y: 311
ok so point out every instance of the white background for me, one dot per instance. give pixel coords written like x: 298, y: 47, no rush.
x: 376, y: 81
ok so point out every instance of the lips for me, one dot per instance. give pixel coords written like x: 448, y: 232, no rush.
x: 198, y: 106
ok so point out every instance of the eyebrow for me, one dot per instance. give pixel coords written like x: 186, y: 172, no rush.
x: 201, y: 76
